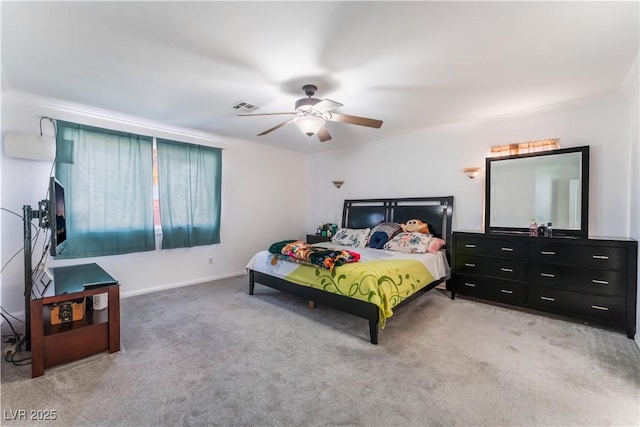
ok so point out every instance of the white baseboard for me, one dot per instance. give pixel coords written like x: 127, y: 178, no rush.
x: 128, y: 294
x: 20, y: 314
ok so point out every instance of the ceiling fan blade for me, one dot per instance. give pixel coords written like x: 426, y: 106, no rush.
x: 266, y: 114
x: 323, y: 135
x: 326, y: 105
x: 355, y: 120
x: 275, y: 127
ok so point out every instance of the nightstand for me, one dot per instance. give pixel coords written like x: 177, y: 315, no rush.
x: 317, y: 238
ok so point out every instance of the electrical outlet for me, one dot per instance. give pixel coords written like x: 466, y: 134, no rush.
x: 210, y: 260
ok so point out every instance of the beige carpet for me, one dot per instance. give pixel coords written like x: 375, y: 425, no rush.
x: 211, y: 354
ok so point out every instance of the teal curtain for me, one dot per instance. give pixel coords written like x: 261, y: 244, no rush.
x: 108, y: 181
x: 189, y: 185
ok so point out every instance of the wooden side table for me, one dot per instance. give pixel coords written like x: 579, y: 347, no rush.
x: 317, y: 238
x: 97, y: 331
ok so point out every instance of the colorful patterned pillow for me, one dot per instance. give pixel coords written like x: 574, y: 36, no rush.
x: 390, y: 228
x: 351, y: 237
x: 414, y: 243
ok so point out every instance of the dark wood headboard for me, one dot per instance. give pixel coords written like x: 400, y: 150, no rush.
x: 435, y: 211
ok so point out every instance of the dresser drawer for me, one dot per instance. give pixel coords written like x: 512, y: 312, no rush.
x: 493, y: 289
x: 490, y: 247
x: 589, y: 280
x: 606, y: 257
x: 592, y: 307
x: 593, y: 280
x: 495, y: 267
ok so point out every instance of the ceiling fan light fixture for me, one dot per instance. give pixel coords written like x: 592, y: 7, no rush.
x: 310, y: 125
x: 311, y: 115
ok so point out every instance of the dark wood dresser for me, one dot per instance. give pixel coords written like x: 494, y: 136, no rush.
x: 593, y: 280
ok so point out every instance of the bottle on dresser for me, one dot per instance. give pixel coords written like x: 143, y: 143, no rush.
x: 542, y: 230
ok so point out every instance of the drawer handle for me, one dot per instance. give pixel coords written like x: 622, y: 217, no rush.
x: 547, y: 275
x: 508, y: 270
x: 468, y: 264
x: 600, y: 257
x: 548, y: 299
x: 469, y: 246
x: 599, y: 307
x: 600, y: 282
x: 547, y: 253
x: 507, y: 249
x: 471, y: 285
x: 506, y: 291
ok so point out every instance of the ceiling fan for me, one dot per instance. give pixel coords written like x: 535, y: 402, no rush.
x: 311, y: 114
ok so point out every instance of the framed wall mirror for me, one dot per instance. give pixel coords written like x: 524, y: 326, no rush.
x: 550, y: 186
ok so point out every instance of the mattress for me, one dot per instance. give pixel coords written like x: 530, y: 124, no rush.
x: 381, y: 277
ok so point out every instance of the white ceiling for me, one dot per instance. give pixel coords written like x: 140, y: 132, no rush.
x: 413, y: 64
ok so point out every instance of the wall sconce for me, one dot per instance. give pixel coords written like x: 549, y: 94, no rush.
x: 472, y: 172
x: 338, y: 184
x: 525, y: 147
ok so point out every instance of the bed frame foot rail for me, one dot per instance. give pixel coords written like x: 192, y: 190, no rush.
x: 362, y: 309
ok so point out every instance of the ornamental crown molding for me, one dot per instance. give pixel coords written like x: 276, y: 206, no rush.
x: 93, y: 116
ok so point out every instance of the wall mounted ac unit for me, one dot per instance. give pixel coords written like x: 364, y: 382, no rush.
x: 29, y: 146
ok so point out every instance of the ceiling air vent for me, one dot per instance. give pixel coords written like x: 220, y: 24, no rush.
x: 245, y: 106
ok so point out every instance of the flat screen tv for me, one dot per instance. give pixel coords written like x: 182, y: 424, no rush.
x: 58, y: 222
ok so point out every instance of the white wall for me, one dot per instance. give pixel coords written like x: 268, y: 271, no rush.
x: 259, y: 197
x: 260, y: 203
x: 429, y: 163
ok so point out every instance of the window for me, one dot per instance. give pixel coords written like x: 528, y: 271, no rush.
x: 106, y: 175
x: 110, y: 179
x: 189, y: 192
x: 156, y: 192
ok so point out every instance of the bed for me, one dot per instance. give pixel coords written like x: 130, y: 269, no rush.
x: 409, y: 280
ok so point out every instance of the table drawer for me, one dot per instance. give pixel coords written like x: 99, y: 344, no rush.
x: 599, y: 308
x: 594, y: 281
x: 605, y: 257
x: 494, y: 267
x: 493, y: 289
x: 490, y: 247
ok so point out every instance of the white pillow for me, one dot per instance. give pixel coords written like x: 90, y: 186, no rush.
x: 351, y: 237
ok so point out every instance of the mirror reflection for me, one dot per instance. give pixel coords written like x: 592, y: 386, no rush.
x: 547, y: 187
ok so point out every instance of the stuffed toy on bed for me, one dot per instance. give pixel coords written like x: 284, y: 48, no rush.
x: 415, y: 226
x: 382, y: 233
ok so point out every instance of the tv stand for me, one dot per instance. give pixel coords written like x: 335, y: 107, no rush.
x: 29, y: 215
x: 96, y: 332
